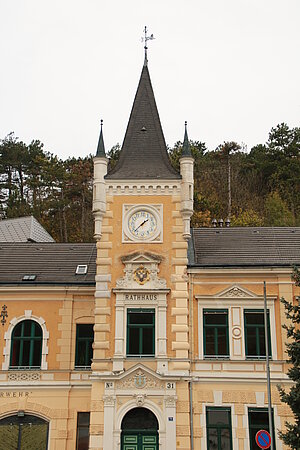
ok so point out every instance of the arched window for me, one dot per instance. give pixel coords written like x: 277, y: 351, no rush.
x: 24, y: 432
x: 26, y: 348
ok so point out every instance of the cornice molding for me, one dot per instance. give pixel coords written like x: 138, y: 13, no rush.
x: 138, y: 187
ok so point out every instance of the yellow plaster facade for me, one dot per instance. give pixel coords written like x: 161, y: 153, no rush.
x: 178, y: 383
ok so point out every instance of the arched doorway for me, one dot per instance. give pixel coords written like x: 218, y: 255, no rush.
x: 23, y: 432
x: 139, y: 430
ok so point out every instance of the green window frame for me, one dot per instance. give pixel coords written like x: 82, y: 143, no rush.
x: 258, y: 419
x: 84, y: 345
x: 26, y: 345
x: 215, y: 333
x: 83, y: 431
x: 254, y: 323
x: 140, y: 332
x: 218, y: 428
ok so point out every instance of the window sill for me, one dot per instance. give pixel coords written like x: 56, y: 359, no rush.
x: 85, y: 368
x: 257, y: 358
x: 140, y: 356
x: 218, y: 358
x: 24, y: 368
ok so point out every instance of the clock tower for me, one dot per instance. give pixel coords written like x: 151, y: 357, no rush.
x: 141, y: 360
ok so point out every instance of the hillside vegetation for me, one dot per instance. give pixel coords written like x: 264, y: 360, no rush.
x: 256, y: 188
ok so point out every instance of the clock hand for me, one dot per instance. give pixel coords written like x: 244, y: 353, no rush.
x: 146, y: 220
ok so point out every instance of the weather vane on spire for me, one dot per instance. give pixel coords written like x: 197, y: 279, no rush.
x: 145, y: 39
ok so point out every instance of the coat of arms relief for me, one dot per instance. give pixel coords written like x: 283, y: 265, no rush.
x: 141, y: 271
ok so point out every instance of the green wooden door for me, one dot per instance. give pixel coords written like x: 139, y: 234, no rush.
x: 139, y: 440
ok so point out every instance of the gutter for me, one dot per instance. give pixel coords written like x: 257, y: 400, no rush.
x: 240, y: 266
x: 46, y: 283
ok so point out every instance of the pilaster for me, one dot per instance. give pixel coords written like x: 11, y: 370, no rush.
x: 179, y: 294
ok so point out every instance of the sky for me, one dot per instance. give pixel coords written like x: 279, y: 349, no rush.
x: 230, y: 68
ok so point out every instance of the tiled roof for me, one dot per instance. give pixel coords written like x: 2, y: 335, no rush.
x: 52, y: 263
x: 236, y: 247
x: 23, y: 229
x: 144, y: 152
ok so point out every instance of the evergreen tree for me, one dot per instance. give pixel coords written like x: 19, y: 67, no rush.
x: 291, y: 436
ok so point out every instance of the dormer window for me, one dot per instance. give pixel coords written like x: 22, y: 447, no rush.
x: 29, y: 277
x: 81, y: 269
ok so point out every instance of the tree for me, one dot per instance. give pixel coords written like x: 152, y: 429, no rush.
x: 13, y: 162
x: 283, y: 148
x: 246, y: 218
x: 113, y: 156
x: 197, y: 148
x: 291, y: 436
x: 225, y: 150
x: 277, y: 213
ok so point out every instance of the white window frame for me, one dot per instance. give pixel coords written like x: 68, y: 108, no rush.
x: 160, y: 309
x: 8, y: 338
x: 236, y: 331
x: 276, y: 420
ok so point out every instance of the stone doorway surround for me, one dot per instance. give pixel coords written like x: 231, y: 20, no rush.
x: 139, y: 387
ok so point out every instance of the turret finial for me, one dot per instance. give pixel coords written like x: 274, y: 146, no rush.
x: 101, y: 149
x: 186, y: 148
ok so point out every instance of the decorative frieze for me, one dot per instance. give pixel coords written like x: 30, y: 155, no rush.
x: 24, y: 376
x: 131, y: 188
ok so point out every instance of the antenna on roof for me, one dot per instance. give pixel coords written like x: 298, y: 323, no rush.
x: 145, y: 39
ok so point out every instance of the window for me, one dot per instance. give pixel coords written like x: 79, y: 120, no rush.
x: 84, y: 345
x: 255, y: 345
x: 218, y: 427
x: 23, y: 431
x: 140, y: 332
x: 258, y: 420
x: 81, y: 269
x: 26, y: 349
x: 83, y: 426
x: 215, y: 333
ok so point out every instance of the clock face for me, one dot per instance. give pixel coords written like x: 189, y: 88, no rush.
x: 142, y: 224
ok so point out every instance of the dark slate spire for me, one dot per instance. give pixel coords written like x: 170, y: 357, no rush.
x: 144, y: 152
x: 101, y: 149
x: 186, y: 148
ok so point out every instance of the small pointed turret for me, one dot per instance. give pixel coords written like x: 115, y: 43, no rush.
x: 186, y: 148
x: 101, y: 149
x: 187, y: 184
x: 99, y: 195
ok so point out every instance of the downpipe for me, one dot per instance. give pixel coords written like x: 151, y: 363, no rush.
x: 191, y: 413
x: 191, y: 359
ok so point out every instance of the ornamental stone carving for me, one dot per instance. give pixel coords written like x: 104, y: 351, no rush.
x: 140, y: 399
x: 139, y: 380
x: 24, y: 376
x: 236, y: 332
x: 109, y: 400
x: 236, y: 292
x: 141, y: 272
x: 170, y: 401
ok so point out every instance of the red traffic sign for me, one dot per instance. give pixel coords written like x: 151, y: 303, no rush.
x: 263, y: 439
